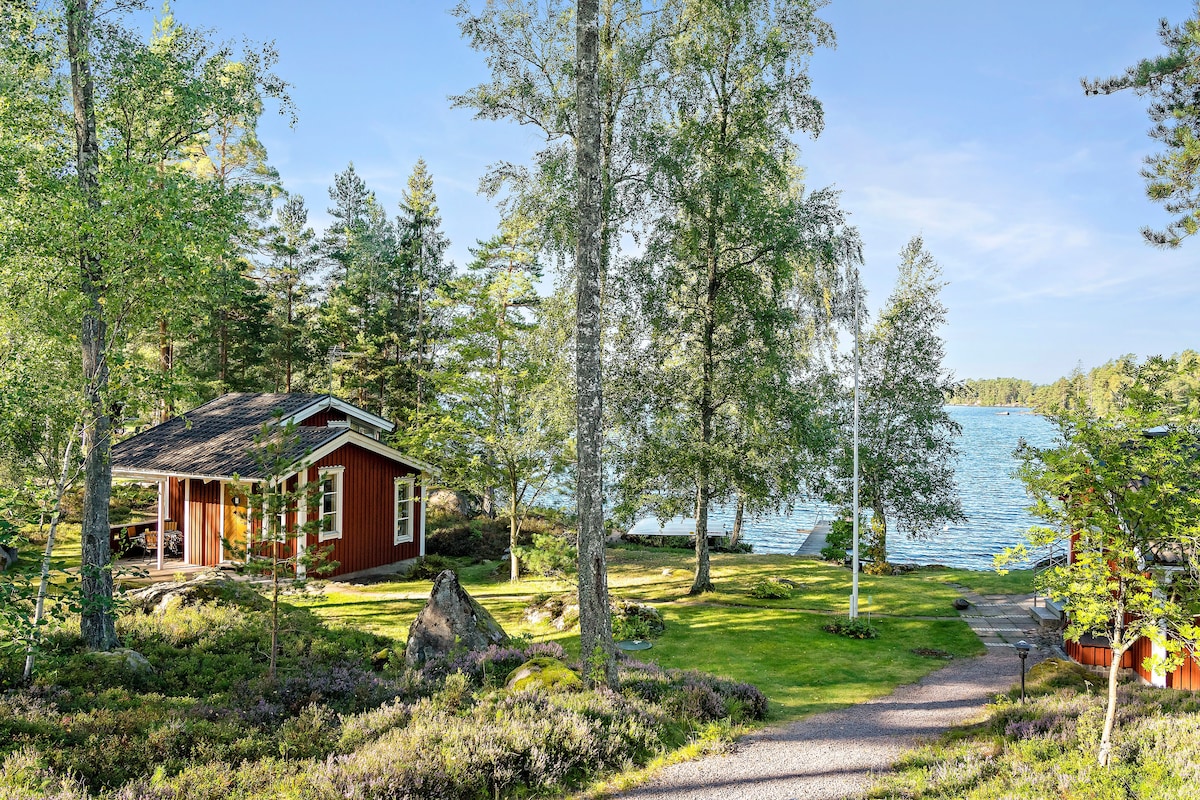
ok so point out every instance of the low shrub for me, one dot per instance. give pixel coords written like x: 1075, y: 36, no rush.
x: 1047, y: 746
x: 841, y: 531
x: 831, y: 553
x: 551, y: 555
x: 481, y: 539
x: 632, y: 620
x: 205, y: 724
x: 857, y: 628
x: 770, y: 589
x: 429, y: 567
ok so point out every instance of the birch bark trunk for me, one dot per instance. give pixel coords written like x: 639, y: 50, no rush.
x: 96, y: 624
x: 595, y: 623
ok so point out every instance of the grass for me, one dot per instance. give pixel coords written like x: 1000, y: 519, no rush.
x: 1014, y: 581
x: 776, y: 644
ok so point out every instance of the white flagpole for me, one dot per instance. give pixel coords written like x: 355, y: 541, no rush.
x: 854, y: 560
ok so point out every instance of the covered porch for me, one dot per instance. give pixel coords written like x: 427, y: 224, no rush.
x: 200, y: 521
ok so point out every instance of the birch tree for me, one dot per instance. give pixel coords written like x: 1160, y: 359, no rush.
x: 112, y: 224
x: 907, y: 438
x: 739, y: 262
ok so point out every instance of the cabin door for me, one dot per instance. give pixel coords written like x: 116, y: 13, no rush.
x: 235, y: 505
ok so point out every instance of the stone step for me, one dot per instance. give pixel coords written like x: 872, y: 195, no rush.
x: 1047, y: 614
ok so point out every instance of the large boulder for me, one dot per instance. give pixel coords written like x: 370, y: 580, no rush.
x: 451, y: 620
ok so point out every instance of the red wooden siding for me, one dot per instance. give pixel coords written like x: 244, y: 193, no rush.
x: 1142, y: 649
x: 175, y: 501
x: 1096, y: 653
x: 204, y: 526
x: 1187, y: 676
x: 323, y: 418
x: 368, y: 516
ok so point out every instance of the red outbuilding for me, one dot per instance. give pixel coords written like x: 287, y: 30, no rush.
x: 370, y: 495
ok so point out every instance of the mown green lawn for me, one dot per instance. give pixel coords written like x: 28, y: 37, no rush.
x: 776, y: 644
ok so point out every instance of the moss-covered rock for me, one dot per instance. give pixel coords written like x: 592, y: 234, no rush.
x: 1054, y: 673
x: 543, y: 672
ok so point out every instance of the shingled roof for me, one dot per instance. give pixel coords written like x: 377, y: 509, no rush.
x: 215, y: 439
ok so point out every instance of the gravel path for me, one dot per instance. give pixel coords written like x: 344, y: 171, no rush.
x: 833, y: 755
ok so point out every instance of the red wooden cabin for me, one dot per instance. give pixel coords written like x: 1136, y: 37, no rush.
x: 370, y: 506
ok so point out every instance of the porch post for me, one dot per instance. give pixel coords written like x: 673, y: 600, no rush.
x: 221, y: 526
x: 420, y: 505
x: 301, y: 521
x: 162, y: 523
x: 187, y: 521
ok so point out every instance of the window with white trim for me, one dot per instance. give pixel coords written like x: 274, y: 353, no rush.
x: 404, y: 510
x: 331, y: 503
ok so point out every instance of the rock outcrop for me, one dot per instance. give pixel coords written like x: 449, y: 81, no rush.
x: 207, y: 587
x: 129, y: 660
x: 451, y: 620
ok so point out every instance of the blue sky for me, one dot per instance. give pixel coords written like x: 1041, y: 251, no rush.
x: 960, y: 121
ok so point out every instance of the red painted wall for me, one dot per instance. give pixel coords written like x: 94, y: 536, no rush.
x: 368, y: 516
x: 1096, y: 655
x: 323, y: 418
x: 205, y: 523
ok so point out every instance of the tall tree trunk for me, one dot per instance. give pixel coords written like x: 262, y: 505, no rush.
x: 703, y: 579
x: 514, y: 529
x: 595, y: 622
x: 736, y: 535
x: 96, y: 624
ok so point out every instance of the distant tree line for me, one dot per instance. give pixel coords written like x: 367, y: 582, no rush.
x: 1098, y: 390
x: 991, y: 392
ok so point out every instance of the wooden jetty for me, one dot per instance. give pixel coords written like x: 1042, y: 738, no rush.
x: 811, y: 548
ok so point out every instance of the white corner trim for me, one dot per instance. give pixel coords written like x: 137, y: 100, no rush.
x: 420, y: 506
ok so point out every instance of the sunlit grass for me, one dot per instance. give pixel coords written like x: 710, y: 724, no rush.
x: 776, y: 644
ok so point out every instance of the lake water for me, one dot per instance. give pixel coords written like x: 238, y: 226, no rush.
x: 993, y: 500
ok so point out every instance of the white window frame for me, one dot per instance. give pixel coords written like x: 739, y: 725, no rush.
x: 339, y: 512
x: 409, y: 483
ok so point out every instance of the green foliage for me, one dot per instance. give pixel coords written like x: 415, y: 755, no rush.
x: 740, y: 269
x: 1170, y: 81
x: 771, y: 589
x: 550, y: 555
x: 907, y: 438
x: 1110, y: 491
x: 857, y: 628
x: 991, y: 392
x: 502, y: 422
x: 429, y: 567
x: 632, y: 620
x: 840, y: 539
